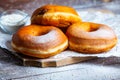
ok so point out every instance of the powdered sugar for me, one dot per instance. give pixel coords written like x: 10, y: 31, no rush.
x: 11, y: 20
x: 50, y: 36
x: 102, y: 33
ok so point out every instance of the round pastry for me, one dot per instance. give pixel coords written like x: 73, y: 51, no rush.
x: 88, y: 37
x: 55, y: 15
x: 39, y: 41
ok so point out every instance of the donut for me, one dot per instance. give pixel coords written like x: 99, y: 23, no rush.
x: 91, y: 38
x: 39, y: 41
x: 55, y: 15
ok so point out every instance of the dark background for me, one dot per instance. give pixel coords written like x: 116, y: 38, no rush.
x: 30, y: 5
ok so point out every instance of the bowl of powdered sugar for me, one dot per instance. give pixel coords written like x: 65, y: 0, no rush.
x: 12, y: 20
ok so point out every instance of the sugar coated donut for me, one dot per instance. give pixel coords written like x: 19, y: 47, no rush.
x: 39, y: 41
x: 55, y: 15
x: 88, y: 37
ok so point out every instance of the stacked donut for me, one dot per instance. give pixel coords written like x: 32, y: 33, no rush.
x: 54, y: 28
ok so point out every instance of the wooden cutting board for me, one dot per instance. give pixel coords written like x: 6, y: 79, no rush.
x: 49, y: 62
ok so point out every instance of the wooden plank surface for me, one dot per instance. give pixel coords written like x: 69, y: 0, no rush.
x: 101, y: 73
x: 97, y: 69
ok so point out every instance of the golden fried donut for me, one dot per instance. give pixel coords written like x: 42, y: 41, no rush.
x: 55, y: 15
x: 39, y: 41
x: 88, y: 37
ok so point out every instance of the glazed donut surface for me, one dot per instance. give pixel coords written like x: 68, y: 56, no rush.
x: 88, y: 37
x: 39, y: 41
x: 55, y: 15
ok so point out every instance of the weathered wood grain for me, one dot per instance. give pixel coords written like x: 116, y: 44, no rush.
x: 10, y: 68
x: 92, y: 72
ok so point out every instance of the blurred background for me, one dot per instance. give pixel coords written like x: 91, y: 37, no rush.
x: 30, y: 5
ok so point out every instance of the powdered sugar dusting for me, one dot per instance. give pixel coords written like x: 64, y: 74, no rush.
x: 50, y: 36
x: 102, y: 33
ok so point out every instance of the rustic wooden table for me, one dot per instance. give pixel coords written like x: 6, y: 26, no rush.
x: 12, y: 69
